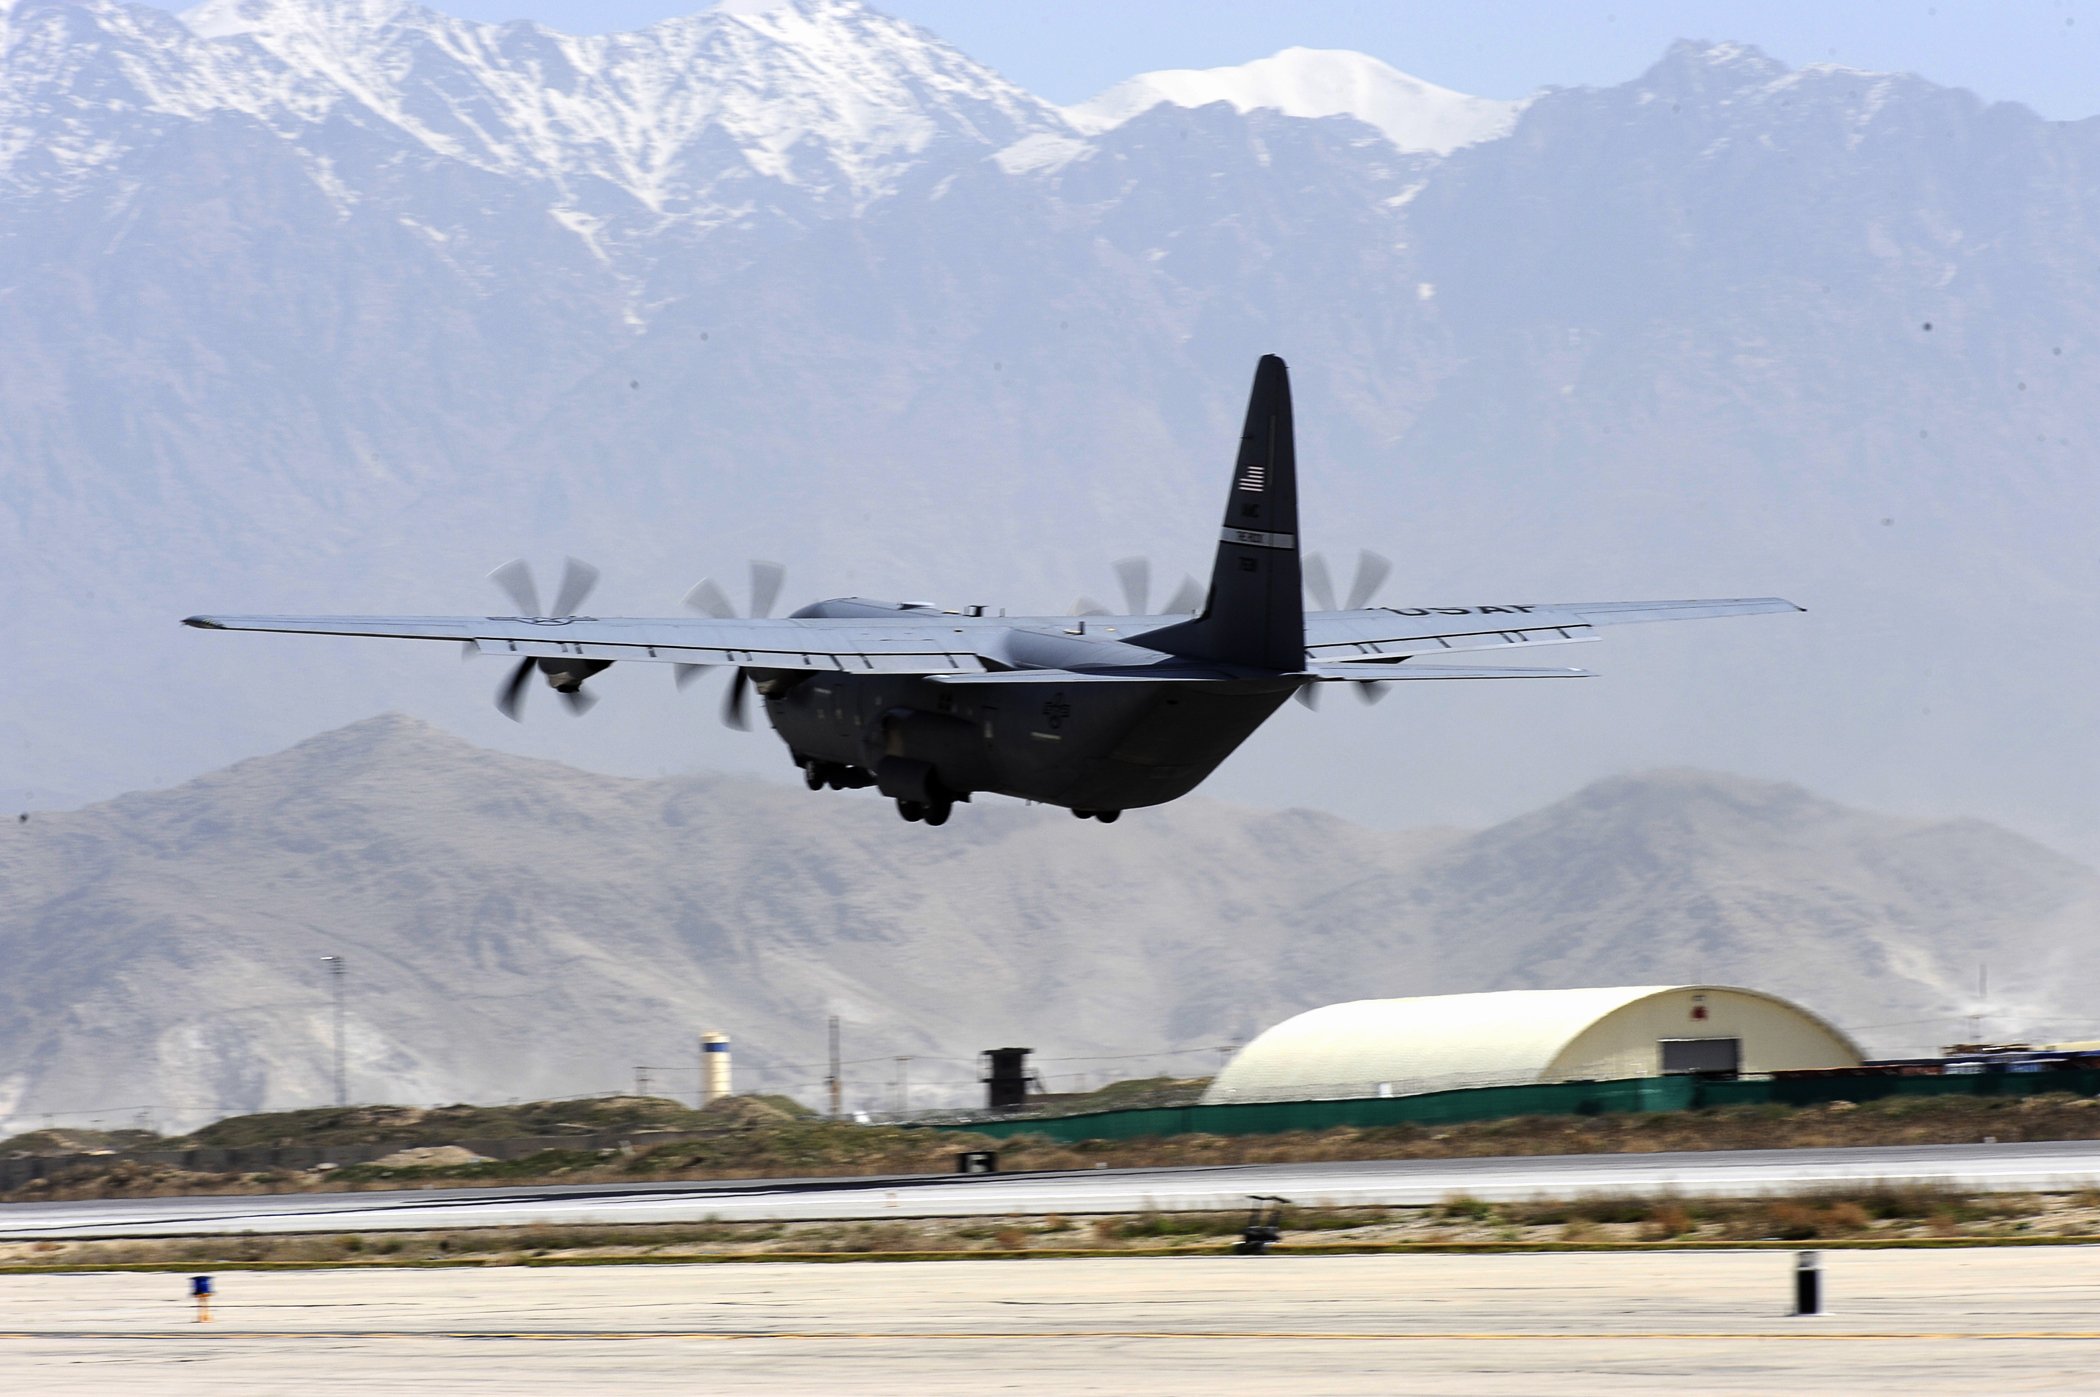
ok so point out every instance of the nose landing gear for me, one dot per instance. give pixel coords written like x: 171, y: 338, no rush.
x: 1106, y: 817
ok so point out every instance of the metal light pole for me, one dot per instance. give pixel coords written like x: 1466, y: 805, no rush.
x: 335, y: 976
x: 834, y: 1087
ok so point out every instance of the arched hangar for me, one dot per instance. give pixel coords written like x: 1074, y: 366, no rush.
x: 1402, y: 1047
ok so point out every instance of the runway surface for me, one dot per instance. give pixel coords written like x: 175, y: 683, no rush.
x: 2004, y: 1320
x: 2054, y: 1166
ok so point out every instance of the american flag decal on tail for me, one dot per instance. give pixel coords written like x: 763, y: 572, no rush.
x: 1252, y: 477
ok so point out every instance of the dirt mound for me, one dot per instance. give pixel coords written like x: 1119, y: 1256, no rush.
x: 744, y: 1111
x: 430, y: 1157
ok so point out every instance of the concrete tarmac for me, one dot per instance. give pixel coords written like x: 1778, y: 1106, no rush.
x: 1955, y: 1321
x: 2047, y: 1166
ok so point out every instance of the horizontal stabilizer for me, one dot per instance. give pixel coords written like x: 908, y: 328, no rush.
x: 1610, y: 613
x: 1395, y: 672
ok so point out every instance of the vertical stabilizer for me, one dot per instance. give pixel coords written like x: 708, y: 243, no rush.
x: 1255, y: 614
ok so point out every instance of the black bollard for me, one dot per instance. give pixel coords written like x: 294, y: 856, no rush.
x: 1808, y: 1283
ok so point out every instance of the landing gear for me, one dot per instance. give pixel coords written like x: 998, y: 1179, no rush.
x: 911, y: 809
x: 933, y: 812
x: 1106, y: 817
x: 818, y: 774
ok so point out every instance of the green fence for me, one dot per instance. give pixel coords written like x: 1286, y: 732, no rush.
x: 1548, y: 1099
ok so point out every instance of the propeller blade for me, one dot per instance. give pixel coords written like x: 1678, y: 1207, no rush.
x: 468, y: 650
x: 510, y: 699
x: 682, y: 675
x: 1373, y: 691
x: 1318, y: 582
x: 1309, y: 695
x: 577, y: 580
x: 1136, y: 576
x: 515, y: 578
x: 580, y: 700
x: 1187, y: 597
x: 710, y: 600
x: 733, y: 703
x: 1087, y: 606
x: 765, y: 586
x: 1371, y: 572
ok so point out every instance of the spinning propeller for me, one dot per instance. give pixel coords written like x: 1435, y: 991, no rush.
x: 708, y: 598
x: 1135, y: 577
x: 1371, y: 573
x: 566, y: 675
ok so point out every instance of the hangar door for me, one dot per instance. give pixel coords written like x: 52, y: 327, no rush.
x: 1680, y: 1055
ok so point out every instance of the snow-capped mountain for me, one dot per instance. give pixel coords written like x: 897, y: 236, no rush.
x: 332, y: 305
x: 703, y: 116
x: 1412, y: 114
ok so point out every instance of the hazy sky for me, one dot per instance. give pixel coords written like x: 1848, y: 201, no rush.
x: 2045, y: 53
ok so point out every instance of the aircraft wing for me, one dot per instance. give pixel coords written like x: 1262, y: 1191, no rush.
x: 914, y: 646
x: 1196, y: 674
x: 1381, y: 633
x: 946, y: 644
x: 1384, y: 673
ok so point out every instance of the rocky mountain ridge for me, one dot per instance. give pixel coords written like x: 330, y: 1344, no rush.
x: 518, y: 929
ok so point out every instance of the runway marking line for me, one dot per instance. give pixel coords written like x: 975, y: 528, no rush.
x: 739, y: 1336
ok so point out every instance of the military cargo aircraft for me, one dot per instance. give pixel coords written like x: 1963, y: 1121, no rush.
x: 1096, y: 713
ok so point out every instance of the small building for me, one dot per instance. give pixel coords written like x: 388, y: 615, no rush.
x: 1404, y: 1047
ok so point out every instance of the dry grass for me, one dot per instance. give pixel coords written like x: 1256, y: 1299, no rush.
x: 757, y: 1141
x: 1666, y: 1220
x: 1870, y: 1214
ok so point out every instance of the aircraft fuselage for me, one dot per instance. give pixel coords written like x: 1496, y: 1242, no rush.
x: 1094, y: 748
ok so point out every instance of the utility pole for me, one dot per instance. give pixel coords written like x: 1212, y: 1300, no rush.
x: 1983, y: 990
x: 342, y: 1081
x: 831, y: 1083
x: 641, y: 1081
x: 903, y: 1085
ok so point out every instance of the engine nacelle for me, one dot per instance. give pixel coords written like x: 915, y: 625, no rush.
x: 566, y: 675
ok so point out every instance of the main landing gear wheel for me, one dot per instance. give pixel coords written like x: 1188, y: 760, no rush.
x: 933, y: 812
x: 1106, y: 817
x: 813, y: 776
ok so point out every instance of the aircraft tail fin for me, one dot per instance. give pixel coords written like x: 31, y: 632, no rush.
x: 1255, y: 611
